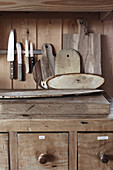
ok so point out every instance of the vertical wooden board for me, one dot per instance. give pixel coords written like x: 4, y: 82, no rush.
x: 50, y: 31
x: 4, y: 163
x: 91, y: 146
x: 72, y: 151
x: 5, y: 27
x: 107, y: 56
x: 32, y: 145
x: 24, y: 29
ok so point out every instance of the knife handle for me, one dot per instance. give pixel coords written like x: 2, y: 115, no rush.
x: 20, y: 72
x: 11, y: 70
x: 32, y: 63
x: 27, y: 64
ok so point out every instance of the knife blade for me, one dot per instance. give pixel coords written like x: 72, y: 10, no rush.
x: 10, y: 55
x: 27, y: 56
x: 31, y: 56
x: 19, y: 53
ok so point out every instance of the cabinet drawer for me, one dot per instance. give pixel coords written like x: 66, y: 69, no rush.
x: 95, y: 151
x: 4, y: 152
x: 43, y: 151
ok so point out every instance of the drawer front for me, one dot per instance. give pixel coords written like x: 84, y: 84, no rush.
x: 43, y: 151
x: 95, y: 151
x: 4, y: 164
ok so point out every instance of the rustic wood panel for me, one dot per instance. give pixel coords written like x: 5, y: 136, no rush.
x: 30, y: 146
x: 90, y: 150
x: 4, y: 163
x: 61, y: 5
x: 72, y: 151
x: 5, y: 26
x: 50, y: 31
x: 24, y: 29
x: 58, y: 123
x: 13, y: 150
x: 107, y: 56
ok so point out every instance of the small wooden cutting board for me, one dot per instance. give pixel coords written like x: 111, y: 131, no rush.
x: 75, y: 81
x: 67, y: 61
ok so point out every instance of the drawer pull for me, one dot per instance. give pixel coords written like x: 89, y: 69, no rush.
x: 43, y: 158
x: 104, y: 158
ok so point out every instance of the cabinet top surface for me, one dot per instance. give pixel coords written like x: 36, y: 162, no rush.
x: 56, y: 5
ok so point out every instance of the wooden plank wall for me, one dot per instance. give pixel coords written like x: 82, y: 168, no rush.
x: 45, y: 27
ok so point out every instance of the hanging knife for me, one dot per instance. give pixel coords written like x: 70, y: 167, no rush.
x: 10, y: 55
x: 27, y: 56
x: 31, y: 56
x: 19, y: 53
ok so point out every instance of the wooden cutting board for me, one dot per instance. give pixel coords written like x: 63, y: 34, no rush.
x: 75, y: 81
x: 67, y: 61
x: 47, y: 62
x: 44, y: 93
x: 45, y: 67
x: 89, y: 47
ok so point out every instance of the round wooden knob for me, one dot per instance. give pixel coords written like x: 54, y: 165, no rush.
x: 104, y: 158
x: 43, y: 158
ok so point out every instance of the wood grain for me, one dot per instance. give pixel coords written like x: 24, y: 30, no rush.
x: 47, y: 62
x: 93, y: 105
x: 60, y: 5
x: 37, y: 75
x: 13, y: 150
x: 5, y: 82
x: 24, y: 29
x: 75, y: 81
x: 55, y: 145
x: 93, y: 60
x: 45, y: 93
x: 50, y: 31
x: 72, y: 151
x: 90, y: 148
x: 67, y: 61
x: 107, y: 56
x: 4, y: 162
x: 70, y: 41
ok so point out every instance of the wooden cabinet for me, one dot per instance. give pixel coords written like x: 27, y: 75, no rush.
x: 43, y: 151
x: 54, y: 133
x: 4, y: 159
x: 95, y: 151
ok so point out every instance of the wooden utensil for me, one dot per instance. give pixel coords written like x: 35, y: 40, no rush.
x: 75, y: 81
x: 67, y: 61
x: 37, y: 73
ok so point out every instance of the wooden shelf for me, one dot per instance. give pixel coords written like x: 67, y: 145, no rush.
x: 56, y: 5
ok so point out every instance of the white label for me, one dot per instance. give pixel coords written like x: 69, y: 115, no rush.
x: 41, y: 137
x: 102, y: 137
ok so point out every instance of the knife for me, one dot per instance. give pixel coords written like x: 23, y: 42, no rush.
x: 19, y: 53
x: 31, y: 56
x: 10, y: 55
x: 27, y: 56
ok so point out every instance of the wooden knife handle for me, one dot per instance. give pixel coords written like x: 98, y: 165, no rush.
x: 32, y: 63
x: 27, y: 64
x: 20, y: 72
x: 11, y: 70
